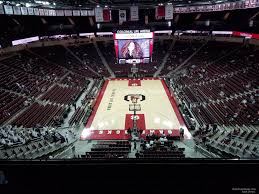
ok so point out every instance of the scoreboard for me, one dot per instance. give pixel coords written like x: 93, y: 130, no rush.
x: 133, y: 46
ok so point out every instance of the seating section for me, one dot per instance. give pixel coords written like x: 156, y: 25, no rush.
x: 62, y: 95
x: 88, y: 54
x: 61, y: 56
x: 75, y: 80
x: 180, y: 52
x: 163, y: 153
x: 10, y: 104
x: 109, y: 149
x: 21, y: 82
x: 29, y: 143
x: 237, y: 142
x: 32, y: 64
x: 159, y: 147
x: 77, y: 116
x: 37, y: 114
x: 225, y: 92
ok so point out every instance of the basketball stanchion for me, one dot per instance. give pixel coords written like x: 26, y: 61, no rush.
x: 135, y: 107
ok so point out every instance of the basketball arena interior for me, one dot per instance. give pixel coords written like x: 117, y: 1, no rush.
x: 129, y: 80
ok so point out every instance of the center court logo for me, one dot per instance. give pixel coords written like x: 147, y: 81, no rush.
x: 134, y: 98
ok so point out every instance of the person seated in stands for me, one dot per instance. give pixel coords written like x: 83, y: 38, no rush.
x: 214, y: 127
x: 9, y: 143
x: 34, y: 134
x: 140, y: 132
x: 147, y: 146
x: 151, y: 142
x: 21, y: 140
x: 161, y: 141
x: 252, y: 99
x: 181, y: 132
x: 88, y: 155
x: 158, y: 143
x: 129, y: 131
x: 137, y: 155
x: 168, y: 137
x: 148, y: 137
x: 153, y: 136
x: 26, y: 103
x: 15, y: 139
x: 3, y: 141
x: 207, y: 128
x: 222, y: 94
x: 256, y: 120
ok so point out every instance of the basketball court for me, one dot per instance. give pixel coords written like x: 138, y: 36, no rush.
x: 113, y: 115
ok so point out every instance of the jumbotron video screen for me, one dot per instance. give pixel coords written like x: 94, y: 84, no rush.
x: 133, y: 46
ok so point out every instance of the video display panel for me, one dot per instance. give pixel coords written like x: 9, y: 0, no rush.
x: 133, y: 46
x: 134, y: 49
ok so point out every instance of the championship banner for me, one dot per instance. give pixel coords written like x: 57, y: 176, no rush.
x: 17, y: 10
x: 122, y: 16
x: 68, y: 12
x: 106, y: 15
x: 76, y: 12
x: 60, y: 12
x: 24, y: 10
x: 8, y: 9
x: 98, y: 14
x: 160, y: 12
x: 84, y: 12
x: 169, y: 12
x: 1, y: 9
x: 30, y: 11
x: 134, y: 13
x: 90, y: 12
x: 41, y: 12
x: 36, y: 11
x: 46, y: 12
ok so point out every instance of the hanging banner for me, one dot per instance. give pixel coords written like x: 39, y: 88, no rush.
x: 8, y: 9
x: 122, y: 16
x: 46, y: 12
x: 83, y: 12
x: 24, y: 10
x: 30, y: 11
x: 36, y: 11
x: 106, y: 15
x: 134, y: 13
x: 41, y: 11
x: 160, y: 12
x: 1, y: 9
x: 90, y: 12
x: 76, y: 12
x: 98, y: 14
x: 17, y: 10
x: 60, y: 12
x: 169, y: 12
x: 68, y: 12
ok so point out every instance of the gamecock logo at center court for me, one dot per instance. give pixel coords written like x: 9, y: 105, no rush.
x: 134, y: 98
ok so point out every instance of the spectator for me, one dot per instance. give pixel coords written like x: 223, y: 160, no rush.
x: 181, y: 132
x: 148, y: 146
x: 137, y: 155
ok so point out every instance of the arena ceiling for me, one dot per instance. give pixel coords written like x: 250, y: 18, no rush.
x: 109, y: 3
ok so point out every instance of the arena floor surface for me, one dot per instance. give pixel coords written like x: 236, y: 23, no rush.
x: 111, y: 116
